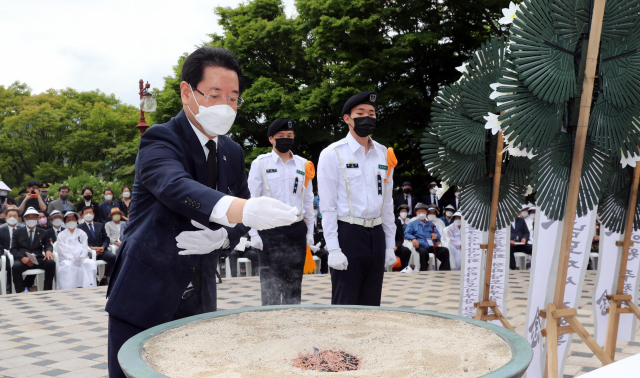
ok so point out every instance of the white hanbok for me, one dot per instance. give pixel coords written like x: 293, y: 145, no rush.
x: 76, y: 269
x: 455, y: 245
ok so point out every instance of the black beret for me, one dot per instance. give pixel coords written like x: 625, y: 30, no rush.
x: 279, y: 124
x: 361, y: 98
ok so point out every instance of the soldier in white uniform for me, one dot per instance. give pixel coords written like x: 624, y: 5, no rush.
x: 281, y: 175
x: 355, y: 182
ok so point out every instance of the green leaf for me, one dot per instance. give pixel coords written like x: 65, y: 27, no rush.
x: 615, y: 130
x: 613, y: 210
x: 620, y: 69
x: 475, y: 202
x: 518, y: 169
x: 448, y: 165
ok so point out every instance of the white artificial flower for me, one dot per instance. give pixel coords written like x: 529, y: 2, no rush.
x: 529, y: 190
x: 463, y: 68
x: 495, y: 94
x: 493, y: 123
x: 509, y: 14
x: 630, y: 161
x: 516, y: 151
x: 440, y: 191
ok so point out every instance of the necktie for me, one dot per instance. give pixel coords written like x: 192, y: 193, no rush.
x: 31, y: 237
x: 91, y: 229
x: 212, y: 164
x: 433, y: 201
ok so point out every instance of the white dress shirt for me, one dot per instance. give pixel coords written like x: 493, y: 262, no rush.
x: 219, y: 212
x: 362, y: 171
x: 281, y: 178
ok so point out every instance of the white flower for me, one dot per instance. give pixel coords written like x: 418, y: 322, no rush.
x: 492, y: 123
x: 529, y: 190
x: 495, y: 94
x: 463, y: 68
x: 509, y: 14
x: 515, y: 151
x: 440, y: 191
x: 630, y: 161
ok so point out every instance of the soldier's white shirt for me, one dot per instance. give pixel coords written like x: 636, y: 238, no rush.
x: 281, y: 178
x: 366, y: 197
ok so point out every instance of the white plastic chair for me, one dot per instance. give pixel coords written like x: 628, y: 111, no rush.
x: 247, y: 265
x: 102, y: 265
x: 3, y: 275
x: 521, y: 260
x: 316, y: 259
x: 39, y: 273
x: 594, y: 260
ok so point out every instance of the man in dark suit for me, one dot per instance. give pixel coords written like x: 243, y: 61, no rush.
x: 7, y: 231
x: 191, y: 188
x: 432, y: 198
x: 519, y: 237
x: 56, y: 227
x: 401, y: 251
x: 455, y: 202
x: 31, y: 239
x: 98, y: 240
x: 406, y: 198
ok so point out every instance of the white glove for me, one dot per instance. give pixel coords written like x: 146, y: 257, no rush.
x: 226, y: 244
x: 314, y: 249
x: 337, y: 259
x: 310, y: 240
x: 263, y: 213
x: 319, y: 244
x: 389, y: 257
x: 200, y: 242
x: 256, y: 242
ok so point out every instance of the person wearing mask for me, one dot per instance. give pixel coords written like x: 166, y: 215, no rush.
x: 355, y: 182
x: 32, y: 198
x: 76, y: 268
x: 62, y: 204
x: 6, y: 235
x: 448, y: 214
x: 192, y: 197
x: 282, y: 175
x: 425, y: 235
x: 57, y: 226
x: 401, y: 251
x: 456, y: 199
x: 519, y: 236
x: 432, y: 198
x: 98, y: 241
x: 530, y: 221
x: 403, y: 216
x: 87, y: 196
x: 125, y: 202
x: 406, y: 198
x: 454, y: 234
x: 113, y: 227
x: 43, y: 221
x: 5, y: 200
x: 106, y: 205
x: 31, y: 239
x: 44, y: 193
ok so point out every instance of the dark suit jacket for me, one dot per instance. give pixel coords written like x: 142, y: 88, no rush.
x: 21, y: 243
x: 399, y: 233
x: 400, y: 200
x: 96, y: 209
x: 104, y: 210
x: 51, y: 238
x: 520, y: 231
x: 149, y: 277
x: 5, y: 239
x: 427, y: 201
x: 455, y: 202
x: 100, y: 240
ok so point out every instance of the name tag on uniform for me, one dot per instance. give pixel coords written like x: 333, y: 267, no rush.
x: 272, y: 170
x: 383, y: 167
x: 300, y: 172
x: 352, y: 165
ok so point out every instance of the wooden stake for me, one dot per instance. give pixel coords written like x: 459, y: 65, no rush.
x: 616, y: 303
x: 572, y: 197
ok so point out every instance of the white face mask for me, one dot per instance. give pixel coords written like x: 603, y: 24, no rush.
x: 432, y: 191
x: 56, y: 222
x: 431, y: 217
x: 457, y: 222
x: 126, y: 194
x: 422, y: 216
x: 524, y: 213
x: 31, y: 223
x: 108, y: 198
x: 3, y: 193
x: 532, y: 216
x: 215, y: 120
x: 71, y: 225
x: 116, y: 218
x: 403, y: 215
x: 12, y: 221
x: 88, y: 217
x: 457, y: 194
x: 449, y: 214
x: 81, y: 221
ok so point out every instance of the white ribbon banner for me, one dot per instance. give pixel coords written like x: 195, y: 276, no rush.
x: 607, y: 273
x: 545, y: 242
x: 627, y: 325
x: 500, y: 272
x: 471, y: 271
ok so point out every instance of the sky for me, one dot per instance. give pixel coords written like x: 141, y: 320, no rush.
x: 88, y: 45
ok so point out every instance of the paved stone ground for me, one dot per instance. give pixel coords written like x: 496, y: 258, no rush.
x: 64, y: 333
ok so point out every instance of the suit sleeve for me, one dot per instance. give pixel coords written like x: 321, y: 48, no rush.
x: 105, y: 238
x: 16, y: 250
x: 164, y: 175
x: 240, y: 229
x: 47, y: 240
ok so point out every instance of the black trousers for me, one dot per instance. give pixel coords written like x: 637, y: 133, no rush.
x: 282, y: 263
x: 442, y: 254
x: 120, y: 331
x: 49, y: 267
x: 108, y: 257
x: 323, y: 254
x: 248, y: 254
x: 526, y: 248
x: 405, y: 255
x: 361, y: 282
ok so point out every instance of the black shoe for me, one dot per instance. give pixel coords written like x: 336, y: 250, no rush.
x: 103, y: 282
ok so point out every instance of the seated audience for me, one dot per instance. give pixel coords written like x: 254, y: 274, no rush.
x: 519, y: 236
x: 43, y: 220
x: 425, y: 236
x: 448, y: 214
x: 113, y: 226
x: 125, y: 202
x: 401, y: 251
x: 403, y: 216
x: 76, y: 267
x: 98, y: 241
x: 455, y: 239
x: 7, y: 232
x: 31, y: 239
x: 247, y: 253
x: 61, y: 204
x: 57, y: 226
x: 106, y: 206
x: 87, y: 196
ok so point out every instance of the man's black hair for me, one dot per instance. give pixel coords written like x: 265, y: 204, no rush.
x: 87, y: 188
x: 33, y: 183
x: 62, y: 187
x: 107, y: 190
x: 209, y: 56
